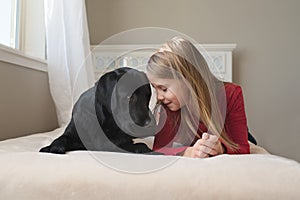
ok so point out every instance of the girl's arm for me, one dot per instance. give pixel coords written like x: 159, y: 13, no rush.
x: 236, y: 122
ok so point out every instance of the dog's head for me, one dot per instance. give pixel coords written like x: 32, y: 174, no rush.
x: 122, y: 100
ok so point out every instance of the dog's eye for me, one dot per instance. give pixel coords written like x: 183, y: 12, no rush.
x: 133, y: 98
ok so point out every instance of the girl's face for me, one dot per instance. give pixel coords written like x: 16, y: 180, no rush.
x: 170, y: 92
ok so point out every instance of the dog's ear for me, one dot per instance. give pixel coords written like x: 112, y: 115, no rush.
x: 106, y: 85
x: 104, y: 89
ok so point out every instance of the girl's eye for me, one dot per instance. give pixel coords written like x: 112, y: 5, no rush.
x: 164, y: 90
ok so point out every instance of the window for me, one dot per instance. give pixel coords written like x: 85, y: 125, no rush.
x: 9, y: 22
x: 22, y: 28
x: 32, y: 28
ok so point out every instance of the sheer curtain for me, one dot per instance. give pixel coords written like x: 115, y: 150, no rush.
x: 68, y: 54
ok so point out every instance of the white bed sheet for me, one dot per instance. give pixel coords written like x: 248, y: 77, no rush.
x: 27, y: 174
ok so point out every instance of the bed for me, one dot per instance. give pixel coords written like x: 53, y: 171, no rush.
x: 28, y: 174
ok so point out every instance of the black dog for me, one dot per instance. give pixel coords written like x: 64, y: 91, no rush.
x: 109, y: 115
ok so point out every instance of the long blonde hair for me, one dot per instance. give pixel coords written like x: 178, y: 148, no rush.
x: 179, y: 58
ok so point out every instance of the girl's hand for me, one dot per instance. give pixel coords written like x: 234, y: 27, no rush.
x: 208, y: 145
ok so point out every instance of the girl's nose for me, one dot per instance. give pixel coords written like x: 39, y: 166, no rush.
x: 160, y: 97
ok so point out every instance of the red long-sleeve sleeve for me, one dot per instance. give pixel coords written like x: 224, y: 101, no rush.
x: 235, y: 125
x: 236, y: 121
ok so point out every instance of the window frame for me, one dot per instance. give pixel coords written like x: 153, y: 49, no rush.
x: 27, y: 36
x: 14, y: 56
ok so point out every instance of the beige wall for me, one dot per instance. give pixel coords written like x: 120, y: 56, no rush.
x: 266, y: 60
x: 26, y: 105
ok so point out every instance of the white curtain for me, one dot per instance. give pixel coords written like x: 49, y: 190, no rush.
x: 68, y: 54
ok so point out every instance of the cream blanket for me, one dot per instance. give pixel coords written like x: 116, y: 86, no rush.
x: 27, y: 174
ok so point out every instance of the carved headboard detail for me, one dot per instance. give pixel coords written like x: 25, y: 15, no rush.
x: 106, y: 57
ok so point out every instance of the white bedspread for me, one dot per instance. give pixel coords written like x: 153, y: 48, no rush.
x: 27, y: 174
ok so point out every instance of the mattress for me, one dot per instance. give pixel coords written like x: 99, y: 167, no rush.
x: 27, y: 174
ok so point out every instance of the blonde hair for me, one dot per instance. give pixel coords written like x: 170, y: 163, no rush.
x: 179, y: 58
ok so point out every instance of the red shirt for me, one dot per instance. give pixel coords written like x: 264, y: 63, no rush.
x: 235, y: 125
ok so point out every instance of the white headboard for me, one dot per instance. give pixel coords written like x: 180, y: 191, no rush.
x: 113, y: 56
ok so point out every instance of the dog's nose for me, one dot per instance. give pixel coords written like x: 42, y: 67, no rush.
x: 147, y: 122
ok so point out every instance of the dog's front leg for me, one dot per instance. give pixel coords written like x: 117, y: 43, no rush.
x: 67, y: 142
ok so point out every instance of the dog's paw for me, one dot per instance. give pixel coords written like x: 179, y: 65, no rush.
x: 45, y: 149
x: 143, y: 149
x: 154, y: 153
x: 54, y: 149
x: 140, y: 148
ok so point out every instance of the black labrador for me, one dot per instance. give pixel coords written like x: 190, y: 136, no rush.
x: 108, y: 116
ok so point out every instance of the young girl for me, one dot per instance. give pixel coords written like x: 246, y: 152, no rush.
x: 199, y: 115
